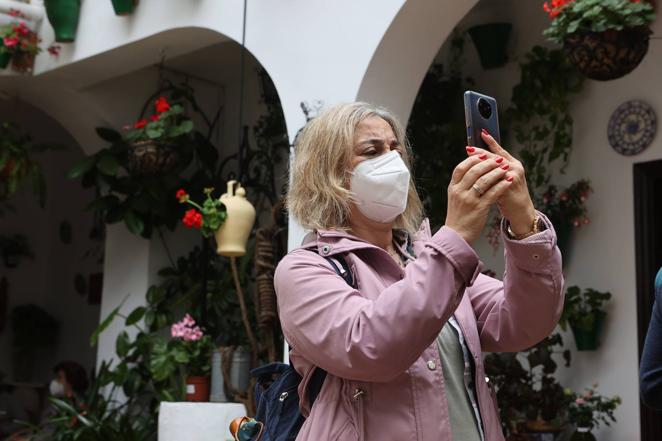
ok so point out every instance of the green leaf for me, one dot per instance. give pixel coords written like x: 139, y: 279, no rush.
x: 122, y: 344
x: 186, y: 126
x: 104, y: 324
x: 154, y: 133
x: 108, y: 165
x: 82, y: 167
x: 135, y: 316
x: 133, y: 222
x: 109, y: 135
x: 103, y: 203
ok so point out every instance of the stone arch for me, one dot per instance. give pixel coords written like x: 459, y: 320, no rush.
x: 406, y: 51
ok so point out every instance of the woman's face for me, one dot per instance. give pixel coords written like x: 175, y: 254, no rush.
x: 373, y: 137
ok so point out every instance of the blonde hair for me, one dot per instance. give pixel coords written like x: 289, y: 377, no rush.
x: 317, y: 195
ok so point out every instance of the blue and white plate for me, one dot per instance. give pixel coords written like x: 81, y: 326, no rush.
x: 632, y: 127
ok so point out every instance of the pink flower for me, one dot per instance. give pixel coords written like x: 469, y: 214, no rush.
x: 188, y: 320
x: 580, y: 401
x: 10, y: 42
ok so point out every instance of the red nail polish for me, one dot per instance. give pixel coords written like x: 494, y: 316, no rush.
x: 505, y: 166
x: 509, y: 179
x: 483, y: 156
x: 485, y: 131
x: 470, y: 149
x: 499, y: 160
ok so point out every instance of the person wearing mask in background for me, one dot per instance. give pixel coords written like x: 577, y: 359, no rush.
x: 70, y: 381
x: 650, y: 373
x: 403, y: 347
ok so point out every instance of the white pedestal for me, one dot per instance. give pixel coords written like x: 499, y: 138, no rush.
x: 197, y: 421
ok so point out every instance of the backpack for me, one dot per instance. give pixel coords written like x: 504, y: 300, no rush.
x: 276, y: 391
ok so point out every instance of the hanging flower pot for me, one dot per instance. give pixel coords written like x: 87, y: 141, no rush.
x: 491, y: 41
x: 587, y: 338
x: 197, y: 389
x: 607, y: 55
x: 232, y: 236
x: 152, y: 157
x: 63, y: 16
x: 124, y: 7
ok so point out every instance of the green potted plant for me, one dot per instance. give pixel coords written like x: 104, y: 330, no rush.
x: 189, y: 347
x: 587, y: 411
x: 34, y: 329
x: 491, y: 41
x: 63, y: 16
x: 124, y: 7
x: 17, y: 163
x: 566, y: 209
x: 156, y: 143
x: 605, y: 39
x: 583, y: 311
x: 19, y: 45
x: 207, y: 217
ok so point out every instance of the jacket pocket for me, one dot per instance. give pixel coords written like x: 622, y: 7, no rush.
x: 358, y: 398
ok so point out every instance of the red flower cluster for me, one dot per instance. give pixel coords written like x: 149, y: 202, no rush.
x: 182, y: 195
x: 140, y: 124
x: 16, y: 13
x: 54, y: 49
x: 161, y: 105
x: 192, y: 218
x: 554, y: 7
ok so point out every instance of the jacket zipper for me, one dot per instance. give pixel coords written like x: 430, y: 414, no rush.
x: 358, y: 397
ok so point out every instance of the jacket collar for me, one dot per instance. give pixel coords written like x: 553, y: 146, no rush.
x: 331, y: 242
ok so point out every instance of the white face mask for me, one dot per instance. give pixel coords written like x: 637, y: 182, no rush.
x: 381, y: 185
x: 56, y: 388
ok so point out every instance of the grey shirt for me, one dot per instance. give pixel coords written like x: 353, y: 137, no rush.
x: 462, y: 411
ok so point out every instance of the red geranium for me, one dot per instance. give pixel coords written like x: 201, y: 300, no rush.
x: 182, y: 195
x: 154, y: 118
x: 192, y: 218
x: 162, y: 105
x: 140, y: 124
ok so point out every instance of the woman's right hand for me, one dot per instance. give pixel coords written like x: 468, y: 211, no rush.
x: 476, y: 184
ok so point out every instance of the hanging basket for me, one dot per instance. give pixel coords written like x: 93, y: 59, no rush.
x: 491, y: 41
x: 63, y: 16
x: 124, y: 7
x: 152, y: 157
x: 589, y: 339
x: 607, y: 55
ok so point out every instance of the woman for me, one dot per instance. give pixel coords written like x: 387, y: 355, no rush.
x: 650, y: 375
x: 403, y: 349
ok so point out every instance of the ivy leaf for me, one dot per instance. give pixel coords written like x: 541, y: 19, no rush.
x: 135, y: 316
x: 82, y: 167
x: 108, y: 165
x: 133, y: 222
x: 122, y: 344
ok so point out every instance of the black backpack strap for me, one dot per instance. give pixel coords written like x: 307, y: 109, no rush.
x: 344, y: 270
x: 318, y: 377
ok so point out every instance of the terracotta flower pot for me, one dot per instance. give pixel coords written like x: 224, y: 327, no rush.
x: 63, y: 16
x: 232, y: 236
x: 124, y: 7
x: 607, y: 55
x: 197, y: 389
x: 152, y: 157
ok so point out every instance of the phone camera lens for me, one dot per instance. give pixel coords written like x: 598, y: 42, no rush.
x: 484, y: 108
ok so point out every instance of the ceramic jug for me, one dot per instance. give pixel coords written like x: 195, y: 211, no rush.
x: 231, y: 238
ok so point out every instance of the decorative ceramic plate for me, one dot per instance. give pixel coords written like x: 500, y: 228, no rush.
x: 632, y: 127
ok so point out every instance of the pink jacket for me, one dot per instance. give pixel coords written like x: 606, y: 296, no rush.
x: 377, y: 342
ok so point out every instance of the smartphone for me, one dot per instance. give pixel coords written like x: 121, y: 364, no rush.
x: 480, y: 112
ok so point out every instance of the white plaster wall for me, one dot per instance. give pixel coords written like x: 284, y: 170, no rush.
x: 48, y: 280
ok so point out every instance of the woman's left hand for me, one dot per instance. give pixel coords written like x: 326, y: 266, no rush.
x: 515, y: 204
